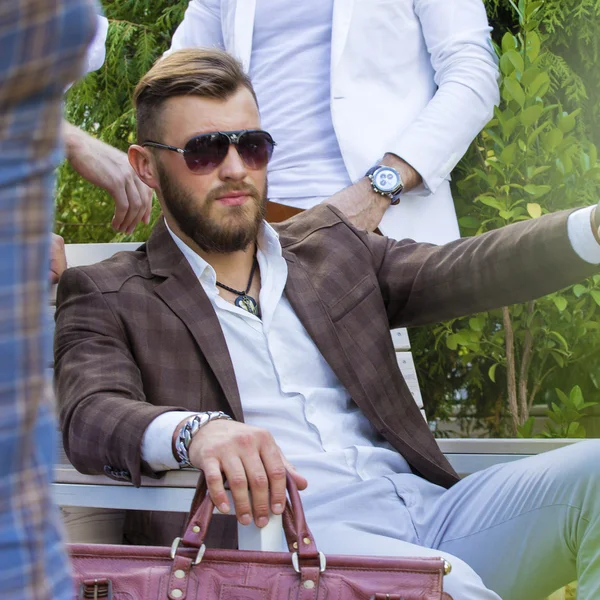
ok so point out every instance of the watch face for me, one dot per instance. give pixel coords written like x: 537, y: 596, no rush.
x: 386, y: 179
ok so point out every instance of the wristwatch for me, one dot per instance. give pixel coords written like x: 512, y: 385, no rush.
x: 189, y: 429
x: 386, y: 181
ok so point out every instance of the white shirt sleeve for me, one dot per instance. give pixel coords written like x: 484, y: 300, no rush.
x: 157, y: 441
x: 582, y: 237
x: 96, y: 53
x: 457, y: 35
x: 201, y: 27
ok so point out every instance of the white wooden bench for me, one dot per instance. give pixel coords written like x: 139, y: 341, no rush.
x: 175, y: 491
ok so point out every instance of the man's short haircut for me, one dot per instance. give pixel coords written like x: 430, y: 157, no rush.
x: 209, y: 73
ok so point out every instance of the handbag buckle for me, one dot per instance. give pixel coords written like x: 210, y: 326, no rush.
x: 322, y: 562
x: 199, y: 555
x: 96, y: 589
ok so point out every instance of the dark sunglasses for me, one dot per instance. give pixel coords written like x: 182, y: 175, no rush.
x: 205, y: 152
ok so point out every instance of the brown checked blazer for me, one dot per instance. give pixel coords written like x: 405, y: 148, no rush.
x: 136, y: 335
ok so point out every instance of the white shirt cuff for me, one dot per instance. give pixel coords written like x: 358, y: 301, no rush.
x: 157, y: 441
x: 582, y: 237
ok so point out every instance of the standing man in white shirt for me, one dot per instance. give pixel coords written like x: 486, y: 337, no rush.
x: 348, y: 84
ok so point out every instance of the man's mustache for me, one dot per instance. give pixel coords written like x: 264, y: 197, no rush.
x: 224, y: 190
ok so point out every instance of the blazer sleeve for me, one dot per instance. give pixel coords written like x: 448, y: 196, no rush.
x: 457, y: 36
x: 422, y: 283
x: 103, y: 409
x: 201, y: 27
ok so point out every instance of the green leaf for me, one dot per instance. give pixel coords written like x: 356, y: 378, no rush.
x: 539, y: 86
x: 552, y: 139
x: 533, y: 46
x: 508, y: 154
x: 576, y: 396
x: 557, y: 336
x: 579, y: 290
x: 537, y: 190
x: 476, y: 323
x: 469, y: 222
x: 560, y: 361
x: 452, y: 342
x: 509, y: 42
x: 560, y: 303
x: 516, y: 59
x: 491, y: 202
x: 531, y: 115
x: 526, y: 430
x: 534, y: 210
x: 596, y: 296
x: 492, y: 372
x: 507, y: 67
x: 514, y: 89
x: 567, y: 123
x: 529, y: 77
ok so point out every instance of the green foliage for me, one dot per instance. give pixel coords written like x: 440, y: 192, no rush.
x: 139, y: 32
x: 532, y: 158
x: 564, y: 417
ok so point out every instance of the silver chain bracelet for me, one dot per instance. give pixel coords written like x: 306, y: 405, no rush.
x: 189, y: 430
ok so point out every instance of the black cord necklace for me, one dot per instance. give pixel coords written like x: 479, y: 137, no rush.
x: 243, y: 300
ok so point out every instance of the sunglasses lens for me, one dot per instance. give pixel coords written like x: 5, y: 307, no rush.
x: 206, y: 152
x: 256, y: 148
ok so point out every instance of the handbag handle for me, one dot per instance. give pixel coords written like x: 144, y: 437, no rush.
x: 297, y: 533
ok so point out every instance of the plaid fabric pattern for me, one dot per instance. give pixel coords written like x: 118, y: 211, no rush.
x: 42, y: 44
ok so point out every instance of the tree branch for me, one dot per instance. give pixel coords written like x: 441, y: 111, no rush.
x: 525, y: 364
x: 511, y: 380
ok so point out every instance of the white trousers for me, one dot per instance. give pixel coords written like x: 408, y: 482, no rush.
x: 516, y: 531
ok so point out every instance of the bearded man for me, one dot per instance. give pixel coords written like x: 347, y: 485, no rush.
x: 237, y: 348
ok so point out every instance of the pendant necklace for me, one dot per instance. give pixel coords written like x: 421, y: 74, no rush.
x: 244, y: 301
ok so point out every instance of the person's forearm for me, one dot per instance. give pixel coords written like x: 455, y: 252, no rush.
x: 365, y: 208
x: 72, y: 136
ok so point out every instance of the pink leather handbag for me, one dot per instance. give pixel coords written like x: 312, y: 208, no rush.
x: 188, y: 571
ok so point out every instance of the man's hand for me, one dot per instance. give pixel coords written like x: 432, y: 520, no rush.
x: 58, y: 258
x: 109, y: 169
x: 251, y: 461
x: 363, y: 207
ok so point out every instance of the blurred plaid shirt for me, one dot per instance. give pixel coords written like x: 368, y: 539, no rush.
x: 42, y: 46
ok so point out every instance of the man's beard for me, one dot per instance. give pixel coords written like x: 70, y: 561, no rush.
x: 195, y: 221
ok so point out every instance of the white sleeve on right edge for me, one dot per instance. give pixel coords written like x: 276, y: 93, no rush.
x: 581, y: 236
x: 96, y: 53
x: 157, y: 441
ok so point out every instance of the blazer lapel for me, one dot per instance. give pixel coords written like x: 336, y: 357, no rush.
x: 342, y: 16
x: 182, y: 293
x: 307, y: 305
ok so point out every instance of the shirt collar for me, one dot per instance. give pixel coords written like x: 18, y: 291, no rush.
x: 267, y: 242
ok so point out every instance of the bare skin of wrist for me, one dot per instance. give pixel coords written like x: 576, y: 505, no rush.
x: 253, y: 465
x: 109, y: 169
x: 363, y: 207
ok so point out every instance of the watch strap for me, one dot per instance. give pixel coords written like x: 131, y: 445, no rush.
x: 189, y: 429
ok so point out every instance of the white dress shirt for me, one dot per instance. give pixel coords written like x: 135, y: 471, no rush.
x: 289, y: 68
x: 287, y: 387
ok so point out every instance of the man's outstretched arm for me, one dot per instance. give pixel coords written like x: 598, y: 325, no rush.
x: 423, y: 283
